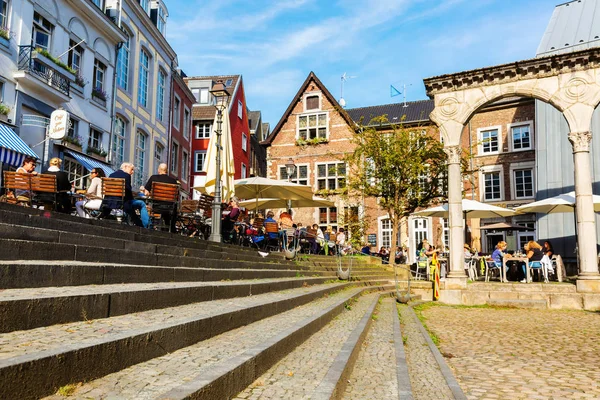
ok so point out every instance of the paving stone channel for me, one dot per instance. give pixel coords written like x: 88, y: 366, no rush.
x: 298, y: 374
x: 499, y: 353
x: 374, y: 374
x: 426, y: 378
x: 150, y: 379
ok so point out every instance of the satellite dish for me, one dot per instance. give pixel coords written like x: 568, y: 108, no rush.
x: 342, y: 102
x: 59, y: 123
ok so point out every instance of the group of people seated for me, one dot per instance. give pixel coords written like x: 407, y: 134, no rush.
x: 536, y: 255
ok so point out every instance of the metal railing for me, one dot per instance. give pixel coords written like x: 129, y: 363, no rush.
x: 46, y: 71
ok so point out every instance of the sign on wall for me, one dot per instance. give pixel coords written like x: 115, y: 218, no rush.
x: 59, y: 123
x: 372, y: 239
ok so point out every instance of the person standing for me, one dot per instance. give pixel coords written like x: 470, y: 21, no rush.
x: 130, y: 204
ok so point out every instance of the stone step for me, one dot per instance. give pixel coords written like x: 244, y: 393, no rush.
x: 33, y: 273
x: 29, y: 250
x: 37, y: 362
x: 317, y: 369
x: 519, y: 303
x: 534, y: 287
x: 373, y: 376
x: 22, y: 309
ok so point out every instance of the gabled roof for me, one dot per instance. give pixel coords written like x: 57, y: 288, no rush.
x: 208, y: 111
x: 253, y: 119
x: 297, y: 98
x: 414, y: 112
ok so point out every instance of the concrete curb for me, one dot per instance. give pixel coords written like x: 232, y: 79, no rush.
x: 444, y: 368
x: 404, y: 386
x: 335, y: 381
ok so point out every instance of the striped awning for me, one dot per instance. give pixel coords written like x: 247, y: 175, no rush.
x: 12, y: 148
x: 89, y: 163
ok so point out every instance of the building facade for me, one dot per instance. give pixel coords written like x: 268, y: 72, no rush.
x: 257, y: 158
x: 180, y: 142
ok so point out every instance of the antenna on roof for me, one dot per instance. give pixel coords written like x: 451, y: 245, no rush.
x: 395, y: 92
x: 345, y: 77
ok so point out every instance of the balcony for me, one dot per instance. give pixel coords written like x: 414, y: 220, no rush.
x: 41, y: 73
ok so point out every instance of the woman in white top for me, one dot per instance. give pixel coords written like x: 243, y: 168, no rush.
x: 93, y: 194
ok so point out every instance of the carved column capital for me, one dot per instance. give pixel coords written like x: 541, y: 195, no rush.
x: 453, y: 153
x: 580, y: 141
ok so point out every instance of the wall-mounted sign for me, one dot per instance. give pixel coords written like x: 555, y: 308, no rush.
x: 372, y: 239
x: 59, y: 123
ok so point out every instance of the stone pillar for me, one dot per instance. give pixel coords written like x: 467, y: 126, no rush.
x: 589, y: 278
x: 456, y: 276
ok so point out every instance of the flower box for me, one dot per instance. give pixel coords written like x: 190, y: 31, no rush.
x: 50, y: 63
x: 97, y: 157
x: 4, y: 42
x: 71, y: 146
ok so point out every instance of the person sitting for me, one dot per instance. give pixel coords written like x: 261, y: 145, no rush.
x: 534, y: 255
x: 162, y: 177
x: 340, y: 242
x: 499, y: 254
x: 320, y: 236
x: 399, y: 258
x: 93, y: 194
x: 548, y: 250
x: 366, y: 249
x: 63, y: 185
x: 384, y: 254
x: 467, y: 250
x: 228, y: 219
x: 130, y: 205
x: 27, y: 167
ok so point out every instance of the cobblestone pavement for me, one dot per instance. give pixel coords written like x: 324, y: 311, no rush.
x: 520, y: 354
x: 65, y: 291
x: 374, y: 374
x: 157, y: 376
x: 426, y: 379
x: 85, y: 333
x: 298, y: 374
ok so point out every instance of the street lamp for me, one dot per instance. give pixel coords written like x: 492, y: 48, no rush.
x: 221, y: 100
x: 290, y: 168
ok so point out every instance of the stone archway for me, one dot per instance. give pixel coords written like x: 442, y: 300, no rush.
x: 571, y: 83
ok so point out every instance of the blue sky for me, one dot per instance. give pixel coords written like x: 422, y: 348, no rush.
x: 275, y: 44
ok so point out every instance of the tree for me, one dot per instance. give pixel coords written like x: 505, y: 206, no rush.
x: 404, y: 168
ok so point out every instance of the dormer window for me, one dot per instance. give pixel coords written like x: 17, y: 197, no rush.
x: 161, y: 21
x: 145, y: 5
x: 312, y: 101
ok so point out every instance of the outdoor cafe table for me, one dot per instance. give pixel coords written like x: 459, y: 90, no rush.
x: 517, y: 259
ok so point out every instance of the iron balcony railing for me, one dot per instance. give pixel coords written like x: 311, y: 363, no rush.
x: 44, y: 68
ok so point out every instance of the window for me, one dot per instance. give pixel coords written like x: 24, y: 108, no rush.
x: 95, y: 140
x: 174, y: 157
x: 243, y: 170
x: 331, y: 176
x: 490, y: 141
x: 160, y: 95
x: 99, y: 73
x: 196, y: 93
x: 228, y: 82
x: 75, y: 55
x: 118, y: 143
x: 176, y: 112
x: 312, y: 126
x: 300, y: 175
x: 140, y: 159
x: 73, y: 130
x: 185, y: 162
x: 328, y: 216
x: 123, y: 64
x: 244, y: 142
x: 386, y: 232
x: 523, y: 183
x: 161, y: 22
x: 201, y: 95
x: 75, y: 172
x: 199, y: 158
x: 312, y: 103
x: 145, y: 5
x: 203, y: 130
x: 445, y: 232
x: 42, y: 32
x: 4, y: 14
x: 159, y: 150
x: 144, y: 71
x: 240, y: 109
x: 186, y: 123
x: 492, y: 186
x: 521, y: 137
x: 99, y: 4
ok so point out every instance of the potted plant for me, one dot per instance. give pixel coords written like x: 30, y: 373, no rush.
x: 99, y: 154
x: 311, y: 142
x: 99, y: 95
x: 4, y: 110
x: 63, y: 68
x: 79, y: 80
x: 4, y: 35
x: 72, y: 142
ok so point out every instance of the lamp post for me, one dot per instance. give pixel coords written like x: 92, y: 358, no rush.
x: 221, y: 100
x: 290, y: 169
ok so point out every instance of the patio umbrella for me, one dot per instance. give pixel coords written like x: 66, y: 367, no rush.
x: 471, y: 209
x: 558, y: 204
x: 227, y: 168
x: 264, y: 188
x: 503, y: 226
x: 282, y: 203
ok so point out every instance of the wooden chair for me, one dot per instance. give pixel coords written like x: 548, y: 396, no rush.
x: 205, y: 205
x: 272, y: 236
x: 188, y: 219
x: 113, y: 195
x: 14, y: 182
x: 163, y: 203
x: 43, y: 187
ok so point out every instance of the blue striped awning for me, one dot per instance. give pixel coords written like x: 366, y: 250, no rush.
x: 12, y: 148
x: 89, y: 163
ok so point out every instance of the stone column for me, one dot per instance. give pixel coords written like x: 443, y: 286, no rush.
x: 456, y: 276
x: 589, y: 278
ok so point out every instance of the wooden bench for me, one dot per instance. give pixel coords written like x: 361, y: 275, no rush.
x: 43, y: 187
x: 14, y: 181
x: 163, y: 203
x: 113, y: 195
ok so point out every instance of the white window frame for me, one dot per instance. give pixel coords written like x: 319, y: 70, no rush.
x: 144, y: 76
x: 96, y: 137
x: 5, y: 14
x: 312, y: 94
x: 187, y: 122
x: 174, y: 157
x: 159, y: 151
x: 118, y: 144
x: 206, y: 132
x: 244, y: 142
x: 75, y: 56
x: 480, y: 140
x: 185, y: 165
x: 123, y: 63
x: 140, y: 158
x: 2, y: 83
x: 513, y: 182
x: 177, y: 112
x: 384, y: 232
x: 39, y: 26
x: 327, y: 177
x: 201, y: 154
x: 240, y: 109
x: 145, y: 4
x: 99, y: 75
x: 308, y: 115
x: 75, y: 172
x: 282, y: 172
x: 161, y: 21
x: 335, y: 224
x: 160, y: 94
x: 487, y: 170
x: 511, y: 140
x: 203, y: 92
x: 413, y: 240
x: 244, y: 169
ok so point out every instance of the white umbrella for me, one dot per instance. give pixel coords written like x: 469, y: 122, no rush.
x: 282, y: 203
x: 227, y: 169
x: 562, y: 203
x: 264, y: 188
x: 471, y: 209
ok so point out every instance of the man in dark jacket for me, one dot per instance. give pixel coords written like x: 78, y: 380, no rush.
x: 63, y: 185
x: 130, y: 204
x: 169, y: 217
